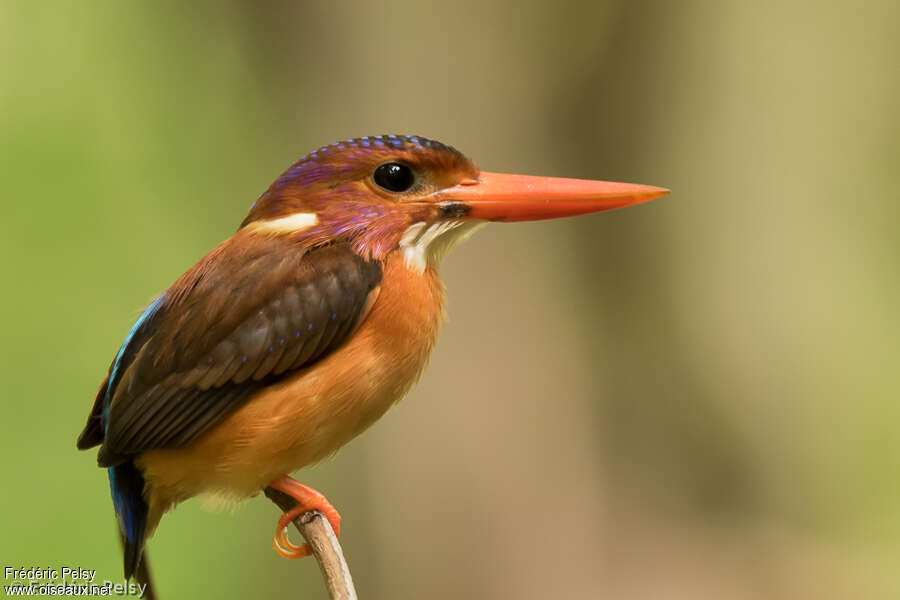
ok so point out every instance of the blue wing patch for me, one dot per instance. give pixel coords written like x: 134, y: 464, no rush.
x: 127, y: 353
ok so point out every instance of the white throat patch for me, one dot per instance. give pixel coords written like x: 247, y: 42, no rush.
x: 423, y: 244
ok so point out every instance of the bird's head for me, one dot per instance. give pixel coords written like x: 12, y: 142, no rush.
x: 406, y: 193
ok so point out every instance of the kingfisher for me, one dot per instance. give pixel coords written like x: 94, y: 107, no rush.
x: 299, y: 331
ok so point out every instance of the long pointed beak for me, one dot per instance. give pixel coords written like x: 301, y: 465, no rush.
x: 501, y: 197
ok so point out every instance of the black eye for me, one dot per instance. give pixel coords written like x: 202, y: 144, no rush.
x: 394, y: 177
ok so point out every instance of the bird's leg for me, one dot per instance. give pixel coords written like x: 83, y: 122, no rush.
x: 307, y: 499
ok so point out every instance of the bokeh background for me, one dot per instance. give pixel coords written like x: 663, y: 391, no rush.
x: 693, y: 398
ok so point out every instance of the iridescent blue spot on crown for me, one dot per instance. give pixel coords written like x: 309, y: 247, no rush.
x: 323, y: 166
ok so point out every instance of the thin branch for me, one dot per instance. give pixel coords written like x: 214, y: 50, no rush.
x: 317, y: 531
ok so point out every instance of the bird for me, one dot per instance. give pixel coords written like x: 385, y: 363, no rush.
x: 299, y: 331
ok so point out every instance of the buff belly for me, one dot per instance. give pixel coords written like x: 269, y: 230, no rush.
x: 314, y: 411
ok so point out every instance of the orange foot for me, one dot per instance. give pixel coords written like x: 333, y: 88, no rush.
x: 307, y: 499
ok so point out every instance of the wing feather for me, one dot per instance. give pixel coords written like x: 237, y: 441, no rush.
x: 233, y: 324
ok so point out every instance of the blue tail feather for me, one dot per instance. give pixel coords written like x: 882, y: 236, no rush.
x: 127, y: 487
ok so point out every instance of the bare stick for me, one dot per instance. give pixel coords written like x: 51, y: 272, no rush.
x: 317, y: 531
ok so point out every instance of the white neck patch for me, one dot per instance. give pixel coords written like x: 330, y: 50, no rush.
x: 423, y: 244
x: 289, y: 224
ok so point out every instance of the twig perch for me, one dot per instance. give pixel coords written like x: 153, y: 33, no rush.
x: 316, y: 530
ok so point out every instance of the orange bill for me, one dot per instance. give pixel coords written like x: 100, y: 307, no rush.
x: 502, y: 197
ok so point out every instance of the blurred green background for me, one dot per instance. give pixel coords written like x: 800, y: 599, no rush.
x: 693, y: 398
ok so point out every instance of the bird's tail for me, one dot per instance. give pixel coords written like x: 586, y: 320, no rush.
x: 127, y: 487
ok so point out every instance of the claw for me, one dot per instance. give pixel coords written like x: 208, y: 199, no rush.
x: 285, y: 548
x: 282, y: 543
x: 307, y: 499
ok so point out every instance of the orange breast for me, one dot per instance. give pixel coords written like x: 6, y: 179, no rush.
x: 313, y: 412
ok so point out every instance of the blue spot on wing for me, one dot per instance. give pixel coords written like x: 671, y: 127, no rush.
x: 115, y: 372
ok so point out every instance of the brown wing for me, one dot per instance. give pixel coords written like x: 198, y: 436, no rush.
x: 234, y: 323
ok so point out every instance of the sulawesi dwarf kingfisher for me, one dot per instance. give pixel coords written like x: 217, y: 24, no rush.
x: 300, y: 330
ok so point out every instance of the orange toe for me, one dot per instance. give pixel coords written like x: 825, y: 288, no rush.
x: 307, y: 499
